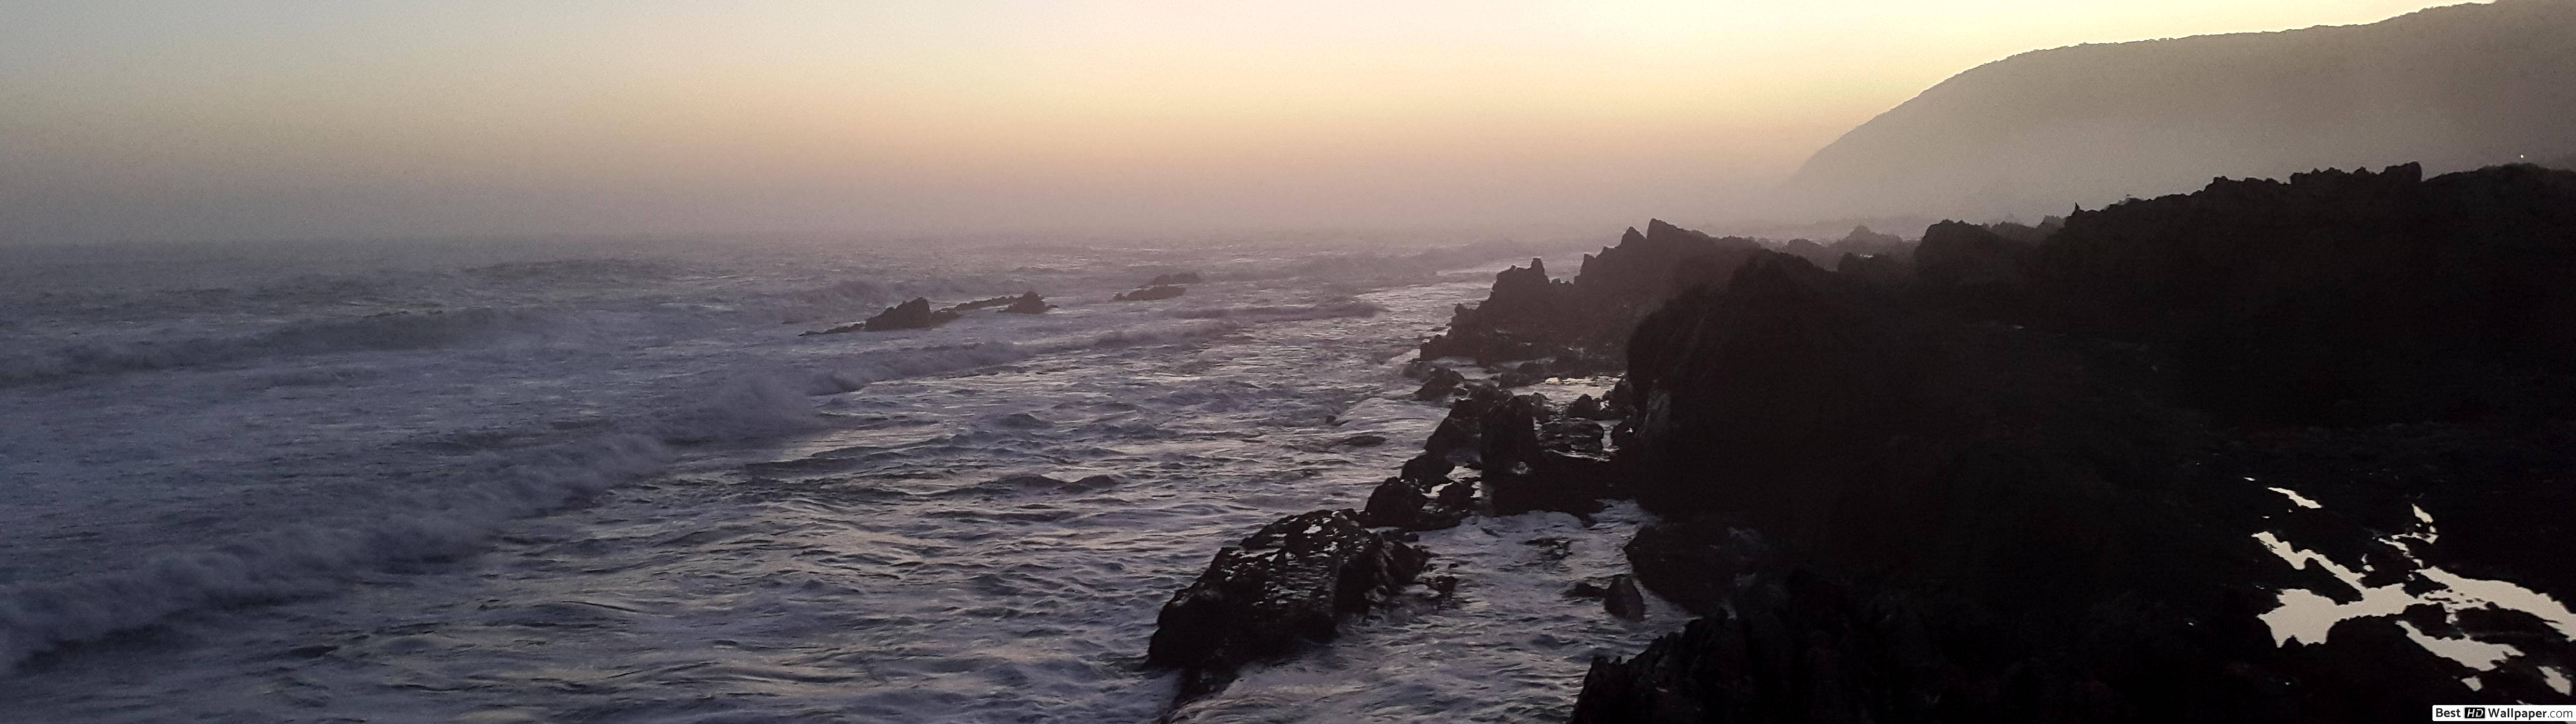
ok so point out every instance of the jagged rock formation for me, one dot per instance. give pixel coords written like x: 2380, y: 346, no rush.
x: 2043, y: 459
x: 2337, y: 297
x: 1287, y: 584
x: 1175, y: 278
x: 1582, y: 323
x: 1027, y: 304
x: 2456, y: 87
x: 914, y: 315
x: 1415, y: 503
x: 1536, y: 459
x: 1149, y: 294
x: 984, y: 304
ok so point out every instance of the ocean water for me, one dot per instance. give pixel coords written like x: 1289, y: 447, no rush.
x: 608, y: 481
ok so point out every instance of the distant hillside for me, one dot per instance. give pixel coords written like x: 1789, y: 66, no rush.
x: 2455, y: 88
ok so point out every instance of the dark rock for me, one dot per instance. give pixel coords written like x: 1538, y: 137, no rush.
x: 1361, y: 441
x: 2046, y: 455
x: 1693, y: 563
x: 1419, y: 368
x: 988, y: 303
x: 1522, y: 376
x: 1850, y: 426
x: 1623, y: 600
x: 1407, y: 504
x: 1973, y: 268
x: 1592, y: 590
x: 1535, y: 461
x: 1457, y: 439
x: 1178, y: 278
x: 1027, y: 304
x: 1443, y: 587
x: 1582, y: 323
x: 1803, y: 651
x: 2337, y: 297
x: 1149, y: 294
x: 1585, y: 406
x: 1514, y: 322
x: 914, y: 315
x: 1441, y: 384
x: 1427, y: 470
x: 1288, y: 584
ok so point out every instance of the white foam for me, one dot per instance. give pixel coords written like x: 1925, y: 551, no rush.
x: 2296, y: 498
x: 2305, y: 616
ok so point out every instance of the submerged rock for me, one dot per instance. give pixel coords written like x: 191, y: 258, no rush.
x: 1177, y: 278
x: 1149, y: 294
x: 1288, y: 584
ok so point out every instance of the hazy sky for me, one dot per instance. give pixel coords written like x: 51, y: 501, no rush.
x: 210, y: 119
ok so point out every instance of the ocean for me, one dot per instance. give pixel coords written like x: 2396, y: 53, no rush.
x: 610, y: 480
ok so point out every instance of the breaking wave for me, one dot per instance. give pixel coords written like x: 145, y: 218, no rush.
x: 307, y: 562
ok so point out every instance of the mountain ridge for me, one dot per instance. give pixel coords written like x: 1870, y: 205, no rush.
x: 2455, y: 87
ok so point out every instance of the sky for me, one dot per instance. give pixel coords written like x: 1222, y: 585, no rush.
x: 218, y: 119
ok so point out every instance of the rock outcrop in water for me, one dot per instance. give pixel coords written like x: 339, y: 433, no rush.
x: 1413, y: 503
x: 1175, y: 278
x: 1025, y: 304
x: 914, y: 315
x: 1149, y: 294
x: 1288, y: 584
x: 2047, y: 461
x: 1582, y: 323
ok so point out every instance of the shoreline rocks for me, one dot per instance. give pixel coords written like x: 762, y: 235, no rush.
x: 1581, y: 325
x: 2021, y: 480
x: 1286, y: 585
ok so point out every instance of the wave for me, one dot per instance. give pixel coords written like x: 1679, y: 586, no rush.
x: 400, y: 331
x: 313, y: 560
x: 1282, y: 313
